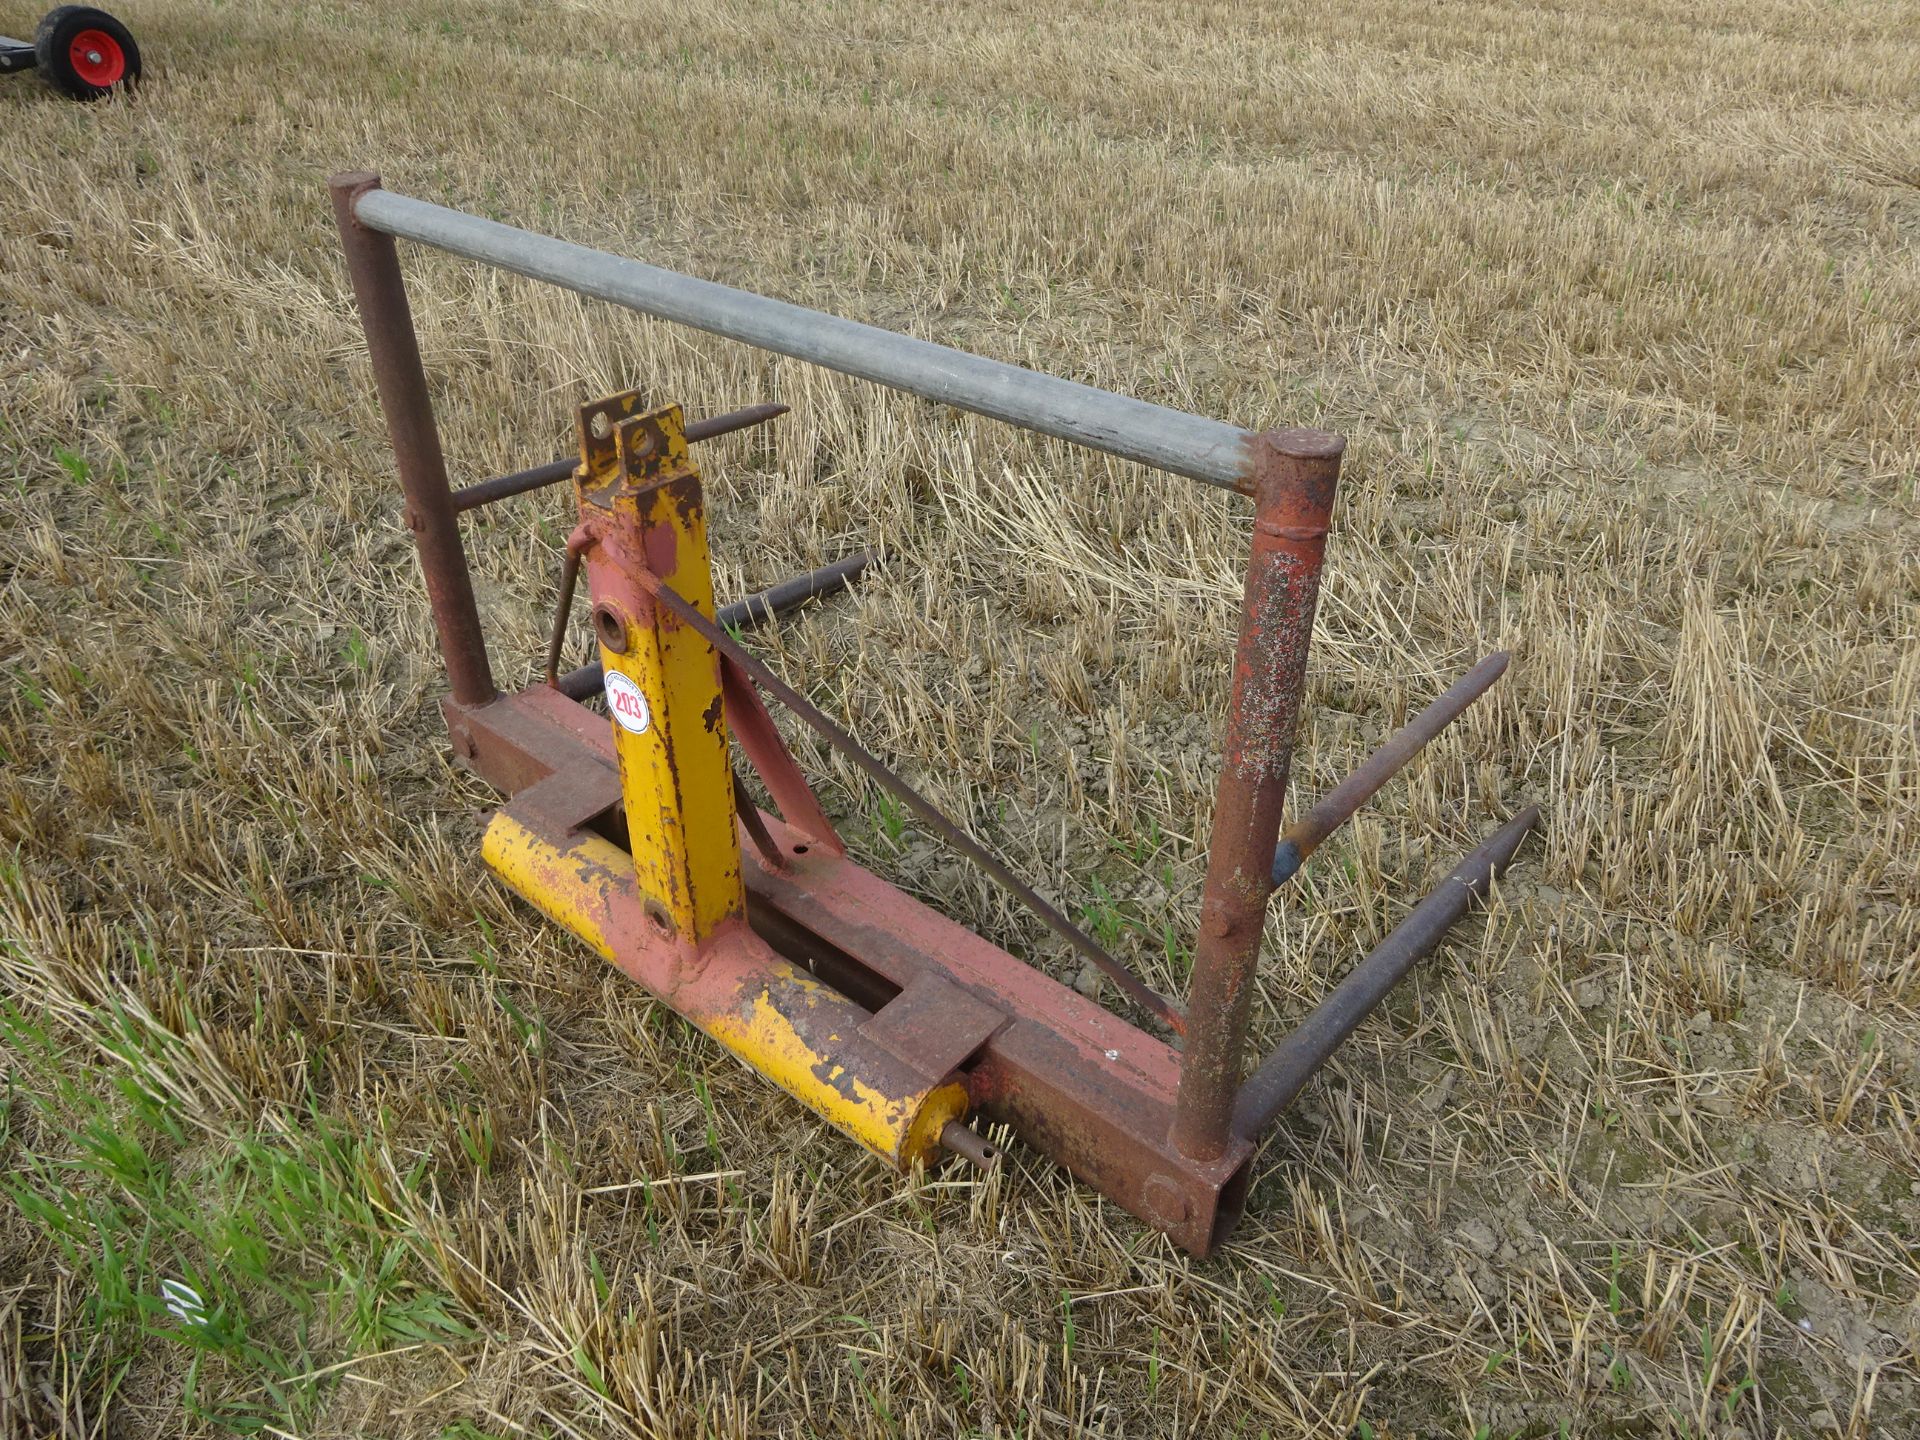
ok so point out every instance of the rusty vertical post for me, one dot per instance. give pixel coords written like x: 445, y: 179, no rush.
x: 1294, y: 472
x: 381, y: 295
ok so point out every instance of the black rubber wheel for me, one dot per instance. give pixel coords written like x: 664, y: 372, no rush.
x: 85, y: 52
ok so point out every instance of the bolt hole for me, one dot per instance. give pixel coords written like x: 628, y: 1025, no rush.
x: 801, y: 849
x: 601, y: 426
x: 612, y: 630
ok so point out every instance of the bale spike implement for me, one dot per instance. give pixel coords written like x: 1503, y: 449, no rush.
x: 634, y: 830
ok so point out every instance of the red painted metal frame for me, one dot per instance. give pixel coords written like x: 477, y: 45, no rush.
x: 1167, y: 1136
x: 1070, y: 1078
x: 1294, y: 475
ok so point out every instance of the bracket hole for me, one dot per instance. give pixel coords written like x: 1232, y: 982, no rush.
x: 601, y: 425
x: 801, y: 849
x: 611, y: 629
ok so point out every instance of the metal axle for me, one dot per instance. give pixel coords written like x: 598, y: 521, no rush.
x: 521, y: 482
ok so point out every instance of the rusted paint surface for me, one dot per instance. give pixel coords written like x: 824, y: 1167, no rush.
x: 778, y: 1030
x: 1295, y: 473
x: 802, y: 1035
x: 381, y: 295
x: 951, y: 1020
x: 1069, y: 1076
x: 641, y: 514
x: 576, y: 884
x: 1072, y: 1079
x: 753, y: 727
x: 934, y: 1024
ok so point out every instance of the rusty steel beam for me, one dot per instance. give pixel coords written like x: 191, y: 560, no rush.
x: 1293, y: 499
x: 1336, y: 807
x: 1282, y: 1075
x: 521, y: 482
x: 811, y: 1040
x: 1090, y: 1091
x: 755, y: 610
x: 381, y: 296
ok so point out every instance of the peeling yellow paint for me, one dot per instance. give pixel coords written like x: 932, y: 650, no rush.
x: 580, y: 884
x: 900, y: 1129
x: 571, y: 886
x: 675, y: 772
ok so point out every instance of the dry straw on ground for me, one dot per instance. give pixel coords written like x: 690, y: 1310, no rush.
x: 1619, y: 307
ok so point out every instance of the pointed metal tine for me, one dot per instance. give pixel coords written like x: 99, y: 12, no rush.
x: 1336, y: 807
x: 1283, y: 1074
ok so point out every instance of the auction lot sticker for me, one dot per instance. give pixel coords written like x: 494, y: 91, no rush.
x: 628, y: 704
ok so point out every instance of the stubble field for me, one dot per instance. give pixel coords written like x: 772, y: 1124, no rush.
x: 1618, y: 307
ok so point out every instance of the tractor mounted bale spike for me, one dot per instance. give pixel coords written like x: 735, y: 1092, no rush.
x: 634, y: 830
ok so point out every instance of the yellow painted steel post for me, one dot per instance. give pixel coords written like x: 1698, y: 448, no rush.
x: 641, y: 508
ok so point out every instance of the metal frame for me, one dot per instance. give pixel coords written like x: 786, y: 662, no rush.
x: 887, y: 1018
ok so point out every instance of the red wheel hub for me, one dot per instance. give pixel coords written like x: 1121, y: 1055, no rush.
x: 97, y: 59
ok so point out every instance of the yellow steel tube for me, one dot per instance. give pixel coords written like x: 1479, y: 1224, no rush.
x: 800, y: 1034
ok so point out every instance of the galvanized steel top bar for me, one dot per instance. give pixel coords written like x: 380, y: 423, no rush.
x: 1208, y: 450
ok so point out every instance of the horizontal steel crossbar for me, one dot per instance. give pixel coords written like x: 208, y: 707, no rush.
x: 520, y: 482
x: 1191, y: 445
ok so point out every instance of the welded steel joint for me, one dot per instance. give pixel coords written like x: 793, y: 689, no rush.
x: 1294, y: 474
